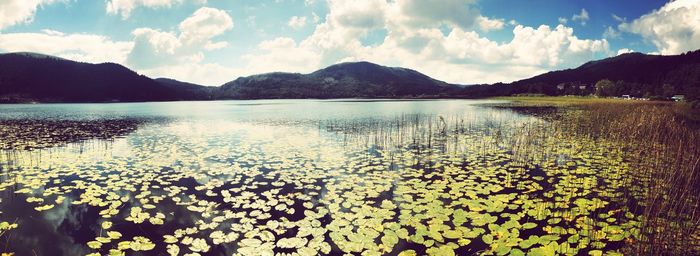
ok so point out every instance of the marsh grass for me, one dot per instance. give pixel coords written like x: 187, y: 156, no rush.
x: 571, y: 101
x: 659, y: 184
x: 665, y: 153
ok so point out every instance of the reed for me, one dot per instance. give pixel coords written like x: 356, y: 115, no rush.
x: 662, y: 150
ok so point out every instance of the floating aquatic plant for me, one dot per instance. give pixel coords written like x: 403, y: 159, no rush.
x: 412, y: 185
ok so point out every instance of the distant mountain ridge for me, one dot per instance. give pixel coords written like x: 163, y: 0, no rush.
x: 344, y: 80
x: 194, y: 91
x: 33, y: 77
x: 635, y: 74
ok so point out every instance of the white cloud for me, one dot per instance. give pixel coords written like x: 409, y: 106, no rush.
x: 210, y: 74
x: 13, y: 12
x: 443, y: 39
x: 552, y: 48
x: 673, y: 29
x: 486, y: 24
x: 155, y: 53
x: 180, y: 54
x: 460, y: 57
x: 344, y: 25
x: 99, y: 49
x: 153, y: 48
x: 562, y: 20
x: 204, y: 24
x: 52, y: 32
x: 282, y: 54
x: 297, y: 22
x: 618, y: 18
x: 432, y: 13
x: 582, y: 17
x: 611, y: 33
x: 365, y: 14
x: 531, y: 51
x: 624, y: 50
x: 78, y: 47
x: 124, y: 7
x: 415, y: 38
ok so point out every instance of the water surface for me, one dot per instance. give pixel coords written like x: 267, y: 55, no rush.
x: 278, y: 176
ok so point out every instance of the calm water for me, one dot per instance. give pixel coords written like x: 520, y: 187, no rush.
x: 308, y: 177
x: 197, y: 164
x: 281, y: 110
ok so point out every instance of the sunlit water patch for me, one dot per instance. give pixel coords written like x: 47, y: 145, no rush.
x: 316, y: 177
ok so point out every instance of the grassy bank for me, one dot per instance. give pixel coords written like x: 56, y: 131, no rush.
x: 571, y: 101
x: 662, y: 146
x: 600, y: 175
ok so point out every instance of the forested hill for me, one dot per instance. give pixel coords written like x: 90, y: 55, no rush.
x: 345, y: 80
x: 32, y: 77
x: 635, y: 74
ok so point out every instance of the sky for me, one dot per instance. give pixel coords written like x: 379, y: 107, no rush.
x: 211, y: 42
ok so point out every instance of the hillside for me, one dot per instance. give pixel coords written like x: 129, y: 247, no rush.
x: 188, y: 90
x: 345, y: 80
x: 635, y: 74
x: 31, y: 77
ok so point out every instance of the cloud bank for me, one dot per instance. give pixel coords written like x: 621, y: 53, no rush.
x: 673, y: 28
x: 447, y: 39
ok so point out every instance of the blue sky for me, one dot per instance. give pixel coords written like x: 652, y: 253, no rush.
x: 462, y: 41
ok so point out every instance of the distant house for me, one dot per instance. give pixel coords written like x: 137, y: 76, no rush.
x: 573, y: 88
x: 678, y: 97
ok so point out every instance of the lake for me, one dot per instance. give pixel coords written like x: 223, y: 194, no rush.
x: 260, y: 177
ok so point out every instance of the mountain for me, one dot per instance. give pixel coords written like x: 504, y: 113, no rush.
x: 193, y: 91
x: 26, y: 77
x: 33, y: 77
x: 345, y: 80
x: 36, y: 77
x: 633, y: 74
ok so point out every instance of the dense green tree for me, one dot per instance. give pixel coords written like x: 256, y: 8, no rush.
x: 605, y: 88
x: 668, y: 90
